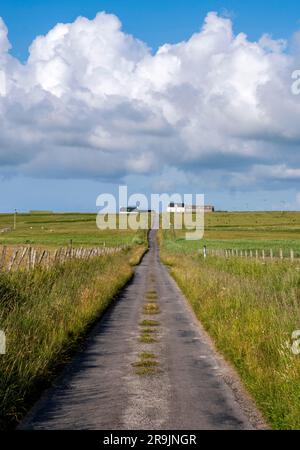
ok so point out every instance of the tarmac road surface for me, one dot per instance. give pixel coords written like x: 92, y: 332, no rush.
x: 100, y: 388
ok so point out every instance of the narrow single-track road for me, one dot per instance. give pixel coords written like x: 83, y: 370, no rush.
x: 108, y: 386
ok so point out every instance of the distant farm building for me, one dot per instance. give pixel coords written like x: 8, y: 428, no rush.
x: 197, y: 208
x: 182, y: 208
x: 133, y: 210
x: 176, y: 207
x: 129, y: 210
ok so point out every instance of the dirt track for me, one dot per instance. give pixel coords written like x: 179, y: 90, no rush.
x: 101, y: 390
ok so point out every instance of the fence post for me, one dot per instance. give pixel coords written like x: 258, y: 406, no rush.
x: 263, y: 254
x: 47, y: 259
x: 271, y: 253
x: 33, y: 256
x: 12, y: 260
x: 292, y: 255
x: 43, y: 255
x: 23, y: 254
x: 3, y: 255
x: 55, y: 256
x: 29, y: 257
x: 281, y: 253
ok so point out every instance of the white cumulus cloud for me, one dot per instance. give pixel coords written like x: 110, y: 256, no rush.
x: 92, y: 101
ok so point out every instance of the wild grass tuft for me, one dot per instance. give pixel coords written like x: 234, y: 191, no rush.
x: 147, y: 364
x: 149, y: 323
x: 151, y: 308
x: 147, y: 338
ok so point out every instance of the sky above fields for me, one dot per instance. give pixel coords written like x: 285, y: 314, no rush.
x: 164, y: 96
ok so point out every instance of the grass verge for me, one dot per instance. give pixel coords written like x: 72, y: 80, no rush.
x: 44, y: 313
x: 250, y: 309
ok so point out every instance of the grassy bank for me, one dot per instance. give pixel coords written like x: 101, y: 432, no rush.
x: 44, y: 313
x: 250, y: 309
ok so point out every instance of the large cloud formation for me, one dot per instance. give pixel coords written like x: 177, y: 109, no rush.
x: 92, y: 101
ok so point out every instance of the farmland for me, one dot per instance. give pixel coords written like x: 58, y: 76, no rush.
x: 58, y: 229
x: 45, y: 312
x: 244, y: 231
x: 250, y: 307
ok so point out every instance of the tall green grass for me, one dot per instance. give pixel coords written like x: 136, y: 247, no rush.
x: 250, y: 308
x: 44, y: 313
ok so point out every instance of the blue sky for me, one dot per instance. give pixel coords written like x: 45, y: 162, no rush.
x: 155, y: 23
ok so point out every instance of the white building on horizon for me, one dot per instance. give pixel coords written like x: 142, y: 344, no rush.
x: 182, y: 208
x: 176, y: 207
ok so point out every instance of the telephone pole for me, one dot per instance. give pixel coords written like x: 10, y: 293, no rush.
x: 15, y: 219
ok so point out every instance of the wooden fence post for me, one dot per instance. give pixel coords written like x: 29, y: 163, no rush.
x: 292, y: 255
x: 23, y: 254
x: 281, y: 253
x: 48, y: 260
x: 29, y: 257
x: 12, y: 259
x: 3, y: 255
x: 33, y: 258
x: 42, y: 256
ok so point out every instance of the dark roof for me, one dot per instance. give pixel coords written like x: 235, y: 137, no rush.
x: 129, y: 208
x: 172, y: 204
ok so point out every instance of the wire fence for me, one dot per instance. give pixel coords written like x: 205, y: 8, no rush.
x: 15, y: 258
x: 269, y: 255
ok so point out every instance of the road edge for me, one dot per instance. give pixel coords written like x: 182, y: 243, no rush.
x: 228, y: 372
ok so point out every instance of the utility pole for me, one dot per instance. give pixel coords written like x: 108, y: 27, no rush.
x: 15, y: 219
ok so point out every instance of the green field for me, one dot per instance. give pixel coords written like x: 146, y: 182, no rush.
x: 249, y: 307
x: 244, y: 231
x: 58, y: 229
